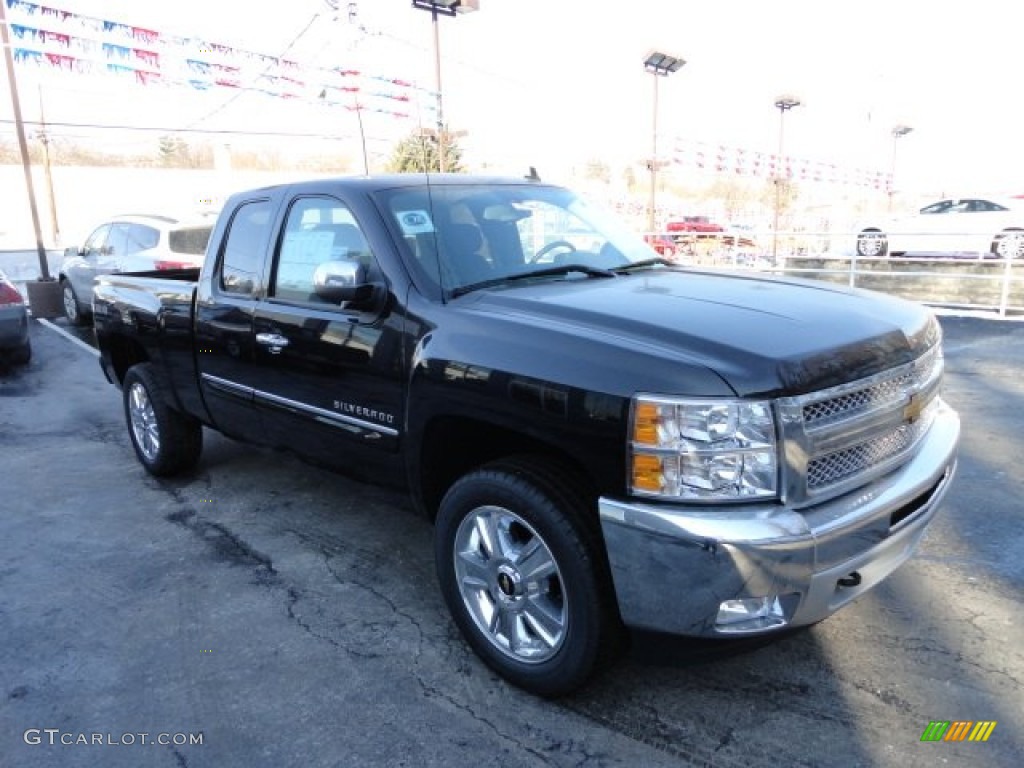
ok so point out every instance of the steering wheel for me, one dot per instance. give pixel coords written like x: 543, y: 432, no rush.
x: 550, y: 247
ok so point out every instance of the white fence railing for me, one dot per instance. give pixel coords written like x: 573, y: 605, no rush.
x: 970, y: 280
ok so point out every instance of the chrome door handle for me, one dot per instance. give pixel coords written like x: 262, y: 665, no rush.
x: 275, y: 341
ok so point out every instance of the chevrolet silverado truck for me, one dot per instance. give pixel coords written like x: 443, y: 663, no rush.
x: 604, y: 441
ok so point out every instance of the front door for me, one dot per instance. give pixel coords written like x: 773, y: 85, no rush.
x: 331, y: 378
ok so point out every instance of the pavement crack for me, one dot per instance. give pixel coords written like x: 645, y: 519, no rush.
x: 726, y: 739
x: 432, y: 691
x: 226, y: 545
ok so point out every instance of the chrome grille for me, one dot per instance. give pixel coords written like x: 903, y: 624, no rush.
x: 879, y: 393
x: 840, y: 465
x: 840, y: 438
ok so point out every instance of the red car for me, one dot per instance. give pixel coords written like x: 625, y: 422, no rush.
x: 701, y: 225
x: 663, y: 244
x: 14, y: 341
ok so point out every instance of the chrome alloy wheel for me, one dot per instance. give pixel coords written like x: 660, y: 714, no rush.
x: 143, y: 421
x: 871, y: 244
x: 70, y: 304
x: 510, y: 584
x: 1009, y: 245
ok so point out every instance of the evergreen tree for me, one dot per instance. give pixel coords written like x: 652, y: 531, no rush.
x: 418, y: 153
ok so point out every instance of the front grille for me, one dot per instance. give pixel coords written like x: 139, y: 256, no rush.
x: 841, y: 438
x: 840, y: 465
x: 887, y: 390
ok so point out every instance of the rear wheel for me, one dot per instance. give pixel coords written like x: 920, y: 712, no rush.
x: 1009, y: 244
x: 23, y: 354
x: 72, y: 309
x: 524, y: 576
x: 872, y: 244
x: 166, y: 442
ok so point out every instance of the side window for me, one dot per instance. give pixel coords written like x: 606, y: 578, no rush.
x: 117, y: 241
x: 318, y: 230
x: 94, y: 244
x: 244, y: 248
x: 141, y: 238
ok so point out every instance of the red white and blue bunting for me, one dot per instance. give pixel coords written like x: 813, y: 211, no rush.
x: 48, y: 37
x: 736, y: 161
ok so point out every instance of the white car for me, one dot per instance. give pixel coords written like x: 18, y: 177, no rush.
x: 965, y: 227
x: 130, y: 243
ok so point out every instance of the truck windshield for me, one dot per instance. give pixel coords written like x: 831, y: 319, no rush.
x: 461, y: 236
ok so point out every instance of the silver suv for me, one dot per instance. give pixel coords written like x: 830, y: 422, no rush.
x: 129, y: 243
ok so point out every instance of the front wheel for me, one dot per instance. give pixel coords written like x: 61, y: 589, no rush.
x: 521, y: 569
x: 872, y: 244
x: 166, y: 442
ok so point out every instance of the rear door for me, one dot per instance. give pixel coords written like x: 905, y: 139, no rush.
x: 330, y: 375
x: 225, y: 306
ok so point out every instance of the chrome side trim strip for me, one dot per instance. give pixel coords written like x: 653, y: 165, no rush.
x: 323, y: 415
x: 227, y: 386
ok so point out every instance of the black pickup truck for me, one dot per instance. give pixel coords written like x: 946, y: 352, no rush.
x: 603, y: 440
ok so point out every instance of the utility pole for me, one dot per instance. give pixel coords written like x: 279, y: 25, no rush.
x: 19, y: 125
x: 44, y: 137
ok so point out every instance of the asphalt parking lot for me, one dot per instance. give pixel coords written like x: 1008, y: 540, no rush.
x: 286, y: 616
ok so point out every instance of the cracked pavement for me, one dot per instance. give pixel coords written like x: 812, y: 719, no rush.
x: 292, y: 616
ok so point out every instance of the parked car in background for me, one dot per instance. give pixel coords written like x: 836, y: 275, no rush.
x: 129, y: 243
x: 663, y: 243
x: 699, y: 225
x: 972, y: 227
x: 14, y: 342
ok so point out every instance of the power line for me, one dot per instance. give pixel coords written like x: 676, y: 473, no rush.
x: 209, y: 131
x: 231, y: 100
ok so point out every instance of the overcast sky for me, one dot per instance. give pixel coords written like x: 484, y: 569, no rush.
x: 535, y: 81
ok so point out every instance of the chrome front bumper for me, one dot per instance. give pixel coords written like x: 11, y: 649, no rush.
x: 674, y: 565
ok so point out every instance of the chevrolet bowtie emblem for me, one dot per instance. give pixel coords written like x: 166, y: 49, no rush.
x: 913, y: 409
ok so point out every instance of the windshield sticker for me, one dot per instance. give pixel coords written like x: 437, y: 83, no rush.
x: 415, y: 222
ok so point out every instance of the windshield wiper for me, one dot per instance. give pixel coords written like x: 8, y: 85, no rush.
x: 643, y: 264
x: 561, y: 269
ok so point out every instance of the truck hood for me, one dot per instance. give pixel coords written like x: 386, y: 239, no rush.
x: 761, y: 335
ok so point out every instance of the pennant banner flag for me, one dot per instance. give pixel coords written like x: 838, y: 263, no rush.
x: 736, y: 161
x: 49, y: 37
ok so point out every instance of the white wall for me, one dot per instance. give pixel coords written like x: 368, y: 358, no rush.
x: 85, y: 196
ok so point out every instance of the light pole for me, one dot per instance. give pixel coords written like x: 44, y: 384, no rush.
x: 443, y: 8
x: 659, y: 65
x: 783, y: 103
x: 898, y: 132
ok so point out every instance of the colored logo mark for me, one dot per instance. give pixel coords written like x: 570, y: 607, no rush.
x: 958, y: 730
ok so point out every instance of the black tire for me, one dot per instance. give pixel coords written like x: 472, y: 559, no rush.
x: 1008, y: 244
x: 166, y: 441
x: 565, y: 623
x: 23, y: 354
x: 72, y: 306
x: 872, y: 244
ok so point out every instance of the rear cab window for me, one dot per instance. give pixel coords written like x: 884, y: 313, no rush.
x: 245, y: 248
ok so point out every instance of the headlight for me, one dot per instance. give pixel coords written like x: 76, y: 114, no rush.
x: 711, y: 450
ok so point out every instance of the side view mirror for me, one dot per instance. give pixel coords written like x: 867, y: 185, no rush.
x: 345, y: 281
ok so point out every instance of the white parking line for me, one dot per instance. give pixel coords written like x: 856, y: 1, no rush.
x: 68, y: 336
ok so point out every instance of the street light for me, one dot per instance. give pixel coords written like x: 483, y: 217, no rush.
x: 659, y: 65
x: 898, y: 132
x: 783, y: 103
x: 443, y: 8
